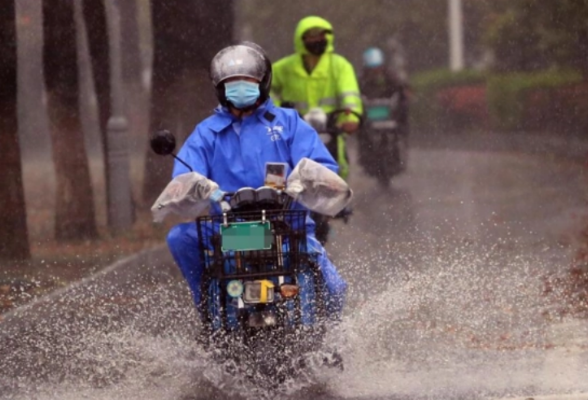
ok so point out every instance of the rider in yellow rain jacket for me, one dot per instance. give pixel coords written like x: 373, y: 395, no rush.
x: 315, y: 76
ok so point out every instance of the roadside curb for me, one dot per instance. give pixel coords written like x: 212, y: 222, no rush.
x: 579, y: 396
x: 115, y: 273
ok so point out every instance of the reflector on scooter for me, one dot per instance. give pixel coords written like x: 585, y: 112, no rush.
x: 235, y: 288
x: 288, y: 290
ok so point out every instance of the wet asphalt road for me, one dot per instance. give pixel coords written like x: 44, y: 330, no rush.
x: 446, y: 273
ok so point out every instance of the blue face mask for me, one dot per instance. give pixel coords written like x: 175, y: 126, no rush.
x: 242, y: 93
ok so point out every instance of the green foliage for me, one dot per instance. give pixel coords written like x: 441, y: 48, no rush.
x: 431, y: 81
x: 426, y: 111
x: 531, y: 35
x: 506, y: 94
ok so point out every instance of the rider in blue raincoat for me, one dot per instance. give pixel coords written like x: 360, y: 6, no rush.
x: 232, y: 147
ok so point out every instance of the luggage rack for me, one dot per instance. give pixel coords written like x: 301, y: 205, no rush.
x: 253, y: 244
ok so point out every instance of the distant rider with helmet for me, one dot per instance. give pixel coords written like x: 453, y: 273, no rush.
x: 315, y: 76
x: 378, y: 84
x: 232, y: 147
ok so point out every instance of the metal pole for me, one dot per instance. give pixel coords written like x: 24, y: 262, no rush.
x: 120, y: 213
x: 455, y: 17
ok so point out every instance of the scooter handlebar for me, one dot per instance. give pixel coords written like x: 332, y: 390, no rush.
x: 333, y: 115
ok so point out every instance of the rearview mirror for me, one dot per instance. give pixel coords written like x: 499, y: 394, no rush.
x: 163, y: 142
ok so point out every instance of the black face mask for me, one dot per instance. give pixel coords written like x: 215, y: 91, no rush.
x: 316, y: 48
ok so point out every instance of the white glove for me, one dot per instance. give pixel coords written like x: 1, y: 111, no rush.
x: 318, y: 188
x: 187, y: 195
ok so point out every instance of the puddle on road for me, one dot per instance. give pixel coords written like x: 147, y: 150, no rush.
x: 454, y: 322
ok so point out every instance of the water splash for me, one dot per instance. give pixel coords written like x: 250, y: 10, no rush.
x: 460, y: 319
x: 428, y: 319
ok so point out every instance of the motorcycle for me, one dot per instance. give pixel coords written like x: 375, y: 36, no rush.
x: 263, y: 294
x: 383, y: 146
x: 326, y: 126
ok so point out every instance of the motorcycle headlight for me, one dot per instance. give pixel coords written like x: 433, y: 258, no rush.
x: 258, y: 292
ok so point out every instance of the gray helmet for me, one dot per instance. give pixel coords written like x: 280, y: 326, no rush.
x: 240, y: 60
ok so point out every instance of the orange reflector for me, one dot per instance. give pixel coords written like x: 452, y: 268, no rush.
x: 287, y: 290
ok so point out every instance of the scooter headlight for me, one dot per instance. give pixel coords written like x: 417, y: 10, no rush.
x: 258, y: 292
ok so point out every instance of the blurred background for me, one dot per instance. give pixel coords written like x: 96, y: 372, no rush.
x: 83, y: 83
x: 468, y: 278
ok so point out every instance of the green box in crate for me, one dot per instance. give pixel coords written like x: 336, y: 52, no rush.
x: 246, y: 236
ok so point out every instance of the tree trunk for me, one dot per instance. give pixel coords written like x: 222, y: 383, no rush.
x: 136, y: 102
x: 74, y: 214
x: 97, y: 25
x: 186, y: 37
x: 14, y: 243
x: 95, y: 17
x: 89, y: 111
